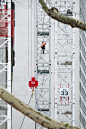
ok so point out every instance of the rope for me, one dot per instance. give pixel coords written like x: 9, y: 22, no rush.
x: 24, y: 115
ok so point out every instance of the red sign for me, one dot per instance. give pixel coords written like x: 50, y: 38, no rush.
x: 33, y: 83
x: 5, y: 22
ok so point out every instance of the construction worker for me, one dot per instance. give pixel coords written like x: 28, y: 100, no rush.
x: 43, y: 47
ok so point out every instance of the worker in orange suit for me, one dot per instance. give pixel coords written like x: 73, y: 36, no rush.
x: 43, y: 46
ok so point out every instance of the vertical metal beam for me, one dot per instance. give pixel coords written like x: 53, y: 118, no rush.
x: 9, y: 63
x: 55, y: 73
x: 73, y: 65
x: 50, y: 63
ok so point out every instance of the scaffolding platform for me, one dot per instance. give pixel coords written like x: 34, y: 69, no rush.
x: 66, y: 63
x: 42, y: 33
x: 43, y: 109
x: 43, y: 71
x: 3, y: 107
x: 67, y: 112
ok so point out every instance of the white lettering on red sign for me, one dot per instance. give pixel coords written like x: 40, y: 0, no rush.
x: 32, y: 82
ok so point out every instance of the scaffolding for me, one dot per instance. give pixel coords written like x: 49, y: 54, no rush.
x: 64, y: 65
x: 5, y: 61
x: 43, y: 61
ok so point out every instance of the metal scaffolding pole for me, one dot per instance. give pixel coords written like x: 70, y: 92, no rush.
x: 65, y: 69
x: 9, y: 63
x: 5, y: 61
x: 43, y: 61
x: 55, y: 68
x: 73, y: 66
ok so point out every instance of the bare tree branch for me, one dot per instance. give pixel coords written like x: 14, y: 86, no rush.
x: 32, y: 113
x: 29, y: 111
x: 53, y: 13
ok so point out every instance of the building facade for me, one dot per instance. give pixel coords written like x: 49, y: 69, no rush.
x: 82, y: 67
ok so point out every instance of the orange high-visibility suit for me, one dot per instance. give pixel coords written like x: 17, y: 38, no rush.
x: 43, y: 47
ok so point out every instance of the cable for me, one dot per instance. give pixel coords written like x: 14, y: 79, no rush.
x: 28, y: 42
x: 24, y: 115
